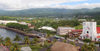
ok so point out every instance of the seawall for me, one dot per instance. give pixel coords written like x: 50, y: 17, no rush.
x: 19, y: 31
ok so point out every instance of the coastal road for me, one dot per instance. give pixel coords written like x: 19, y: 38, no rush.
x: 80, y: 43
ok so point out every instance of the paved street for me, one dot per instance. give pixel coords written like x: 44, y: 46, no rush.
x: 80, y: 43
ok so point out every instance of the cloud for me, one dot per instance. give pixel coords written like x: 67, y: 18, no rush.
x: 25, y: 4
x: 79, y: 6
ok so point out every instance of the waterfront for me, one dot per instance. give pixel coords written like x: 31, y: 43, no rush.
x: 8, y: 33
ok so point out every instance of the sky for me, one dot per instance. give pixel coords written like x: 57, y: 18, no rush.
x: 67, y: 4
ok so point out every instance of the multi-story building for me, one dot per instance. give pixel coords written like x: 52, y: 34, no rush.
x: 64, y: 30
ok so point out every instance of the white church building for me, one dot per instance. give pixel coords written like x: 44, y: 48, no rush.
x: 90, y: 31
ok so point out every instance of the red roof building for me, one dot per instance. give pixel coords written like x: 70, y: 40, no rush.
x: 80, y: 30
x: 98, y: 29
x: 98, y: 36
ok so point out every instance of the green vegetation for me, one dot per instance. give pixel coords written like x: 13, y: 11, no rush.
x: 78, y: 27
x: 90, y: 47
x: 18, y: 26
x: 35, y: 41
x: 15, y: 47
x: 17, y: 38
x: 35, y: 47
x: 8, y: 41
x: 26, y: 40
x: 87, y: 40
x: 53, y: 13
x: 54, y: 22
x: 73, y: 43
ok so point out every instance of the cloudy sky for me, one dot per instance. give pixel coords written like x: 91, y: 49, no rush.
x: 68, y: 4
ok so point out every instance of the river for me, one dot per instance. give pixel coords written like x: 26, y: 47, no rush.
x: 7, y: 33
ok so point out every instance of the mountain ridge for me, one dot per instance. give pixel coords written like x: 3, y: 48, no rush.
x: 50, y: 12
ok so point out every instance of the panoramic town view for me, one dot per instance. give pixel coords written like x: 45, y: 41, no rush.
x: 49, y: 25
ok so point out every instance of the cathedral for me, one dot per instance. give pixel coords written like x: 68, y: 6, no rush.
x: 90, y: 31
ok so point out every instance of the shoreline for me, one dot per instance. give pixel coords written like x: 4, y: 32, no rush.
x: 19, y: 31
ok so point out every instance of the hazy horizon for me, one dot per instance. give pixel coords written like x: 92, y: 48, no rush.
x: 67, y: 4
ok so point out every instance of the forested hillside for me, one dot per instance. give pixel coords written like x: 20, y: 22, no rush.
x: 52, y: 12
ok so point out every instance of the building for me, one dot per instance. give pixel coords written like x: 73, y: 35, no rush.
x: 5, y: 22
x: 75, y: 33
x: 90, y: 31
x: 64, y: 30
x: 82, y: 20
x: 3, y: 48
x: 26, y: 49
x: 30, y: 25
x: 23, y: 23
x: 47, y: 28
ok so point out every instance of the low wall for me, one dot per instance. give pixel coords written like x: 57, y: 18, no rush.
x: 19, y: 31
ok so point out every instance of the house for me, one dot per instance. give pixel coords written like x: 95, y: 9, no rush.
x: 30, y: 26
x: 75, y: 33
x: 3, y: 48
x: 26, y: 49
x: 23, y: 23
x: 47, y: 28
x: 82, y: 20
x: 90, y: 31
x: 64, y: 30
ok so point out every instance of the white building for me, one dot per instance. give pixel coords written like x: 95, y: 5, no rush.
x: 90, y: 31
x: 26, y: 49
x: 5, y: 22
x: 47, y: 28
x: 64, y: 30
x: 24, y: 23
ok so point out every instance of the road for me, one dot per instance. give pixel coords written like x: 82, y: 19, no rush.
x: 80, y: 43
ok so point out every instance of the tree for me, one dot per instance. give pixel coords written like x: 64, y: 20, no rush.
x: 35, y: 40
x: 14, y: 47
x: 17, y: 38
x: 1, y: 40
x: 7, y: 41
x: 90, y: 47
x: 26, y: 40
x: 18, y: 26
x: 87, y: 40
x: 73, y: 43
x: 84, y: 47
x: 46, y: 44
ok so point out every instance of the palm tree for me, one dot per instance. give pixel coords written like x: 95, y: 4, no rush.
x: 1, y: 40
x: 26, y: 40
x: 84, y: 47
x: 17, y: 38
x: 35, y: 40
x: 90, y: 47
x: 7, y: 41
x: 14, y: 47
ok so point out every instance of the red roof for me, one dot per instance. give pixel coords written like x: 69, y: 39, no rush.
x: 98, y: 29
x: 78, y: 30
x: 98, y: 36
